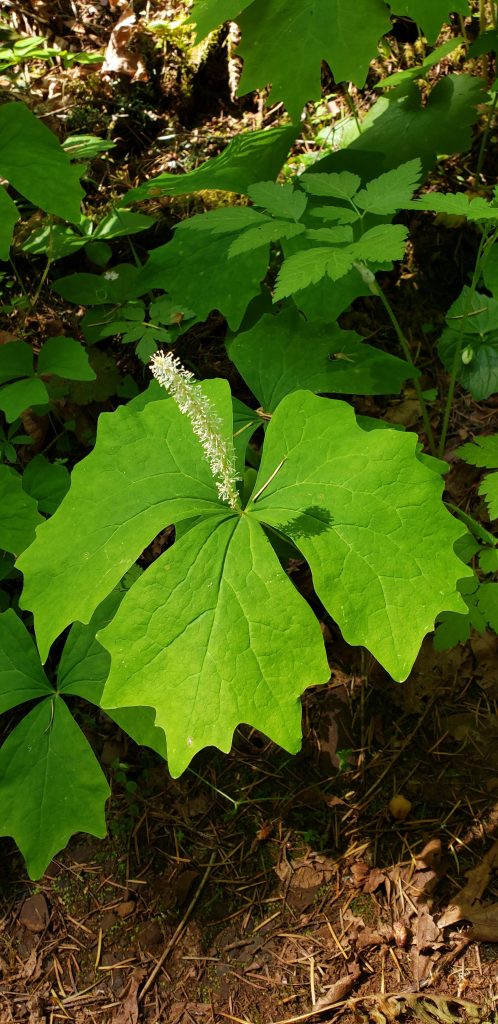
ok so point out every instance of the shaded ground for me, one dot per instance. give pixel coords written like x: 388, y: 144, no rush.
x: 261, y: 888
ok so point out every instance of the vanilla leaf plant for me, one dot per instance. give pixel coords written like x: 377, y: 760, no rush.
x: 214, y: 633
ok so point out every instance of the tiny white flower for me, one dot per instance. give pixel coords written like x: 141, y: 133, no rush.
x: 111, y: 275
x: 169, y: 372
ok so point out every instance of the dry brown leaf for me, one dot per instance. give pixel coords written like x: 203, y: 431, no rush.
x: 466, y: 905
x: 338, y: 991
x: 119, y: 58
x: 430, y: 856
x: 127, y: 1011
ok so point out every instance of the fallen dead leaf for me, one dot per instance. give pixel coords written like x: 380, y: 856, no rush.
x: 34, y: 913
x: 119, y: 58
x: 127, y: 1011
x: 466, y: 905
x: 338, y: 991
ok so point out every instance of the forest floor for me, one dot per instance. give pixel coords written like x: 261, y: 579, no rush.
x: 261, y: 888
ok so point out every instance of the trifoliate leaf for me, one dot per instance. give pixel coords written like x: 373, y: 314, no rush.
x: 52, y: 785
x: 147, y: 470
x: 19, y: 514
x: 213, y: 635
x: 245, y: 423
x: 283, y: 353
x: 279, y: 200
x: 368, y: 517
x: 21, y: 675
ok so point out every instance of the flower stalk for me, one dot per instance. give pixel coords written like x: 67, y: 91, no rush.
x: 188, y: 395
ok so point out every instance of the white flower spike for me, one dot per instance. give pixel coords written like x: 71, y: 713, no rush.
x: 169, y: 372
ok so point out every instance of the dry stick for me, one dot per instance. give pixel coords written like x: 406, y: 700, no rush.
x: 178, y: 930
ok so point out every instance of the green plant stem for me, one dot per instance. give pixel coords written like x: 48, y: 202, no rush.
x: 485, y: 135
x: 482, y: 254
x: 408, y: 356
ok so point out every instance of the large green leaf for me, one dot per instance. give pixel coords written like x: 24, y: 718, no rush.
x: 249, y: 157
x: 368, y: 517
x: 46, y: 482
x: 84, y: 667
x: 400, y: 127
x: 284, y: 353
x: 21, y: 675
x: 21, y: 395
x: 52, y: 785
x: 9, y: 216
x: 16, y: 360
x: 146, y: 471
x: 196, y: 271
x: 212, y: 635
x: 19, y: 514
x: 33, y: 160
x: 477, y: 336
x: 284, y: 42
x: 65, y: 357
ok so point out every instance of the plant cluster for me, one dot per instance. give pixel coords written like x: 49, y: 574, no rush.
x: 213, y: 633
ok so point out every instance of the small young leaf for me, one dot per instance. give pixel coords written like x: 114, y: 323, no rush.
x: 52, y: 785
x: 21, y: 675
x: 203, y: 635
